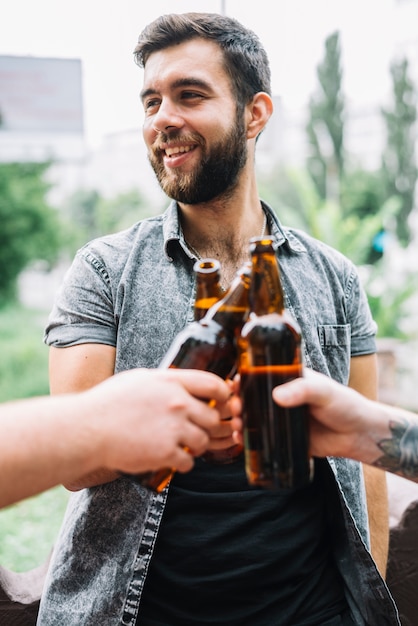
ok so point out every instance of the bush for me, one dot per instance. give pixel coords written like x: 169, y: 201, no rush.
x: 24, y: 362
x: 31, y: 230
x: 27, y: 529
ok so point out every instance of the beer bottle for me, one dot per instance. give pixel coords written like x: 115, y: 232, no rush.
x: 276, y: 439
x: 209, y: 344
x: 208, y: 285
x: 209, y: 291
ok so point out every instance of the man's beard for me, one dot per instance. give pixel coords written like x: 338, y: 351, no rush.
x: 217, y: 173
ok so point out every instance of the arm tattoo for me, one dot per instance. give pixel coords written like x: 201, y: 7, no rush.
x: 401, y: 450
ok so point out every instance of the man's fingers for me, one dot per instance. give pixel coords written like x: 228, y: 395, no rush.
x: 292, y: 393
x: 312, y: 388
x: 185, y: 460
x: 194, y: 443
x: 203, y: 385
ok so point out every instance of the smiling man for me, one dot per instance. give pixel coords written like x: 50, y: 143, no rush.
x: 209, y: 549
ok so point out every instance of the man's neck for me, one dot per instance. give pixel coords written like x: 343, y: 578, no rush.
x: 222, y: 230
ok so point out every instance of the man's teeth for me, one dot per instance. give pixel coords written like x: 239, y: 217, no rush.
x: 177, y: 149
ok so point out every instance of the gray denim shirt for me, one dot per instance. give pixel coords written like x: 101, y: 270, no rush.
x: 135, y: 290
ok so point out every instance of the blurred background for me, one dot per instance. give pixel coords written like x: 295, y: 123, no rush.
x: 338, y: 159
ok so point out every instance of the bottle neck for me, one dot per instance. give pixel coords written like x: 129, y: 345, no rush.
x: 208, y: 286
x: 231, y: 310
x: 266, y: 291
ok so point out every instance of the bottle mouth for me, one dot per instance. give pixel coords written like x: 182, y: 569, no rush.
x: 206, y: 266
x: 262, y: 243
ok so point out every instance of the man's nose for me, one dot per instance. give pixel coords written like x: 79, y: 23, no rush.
x: 167, y: 117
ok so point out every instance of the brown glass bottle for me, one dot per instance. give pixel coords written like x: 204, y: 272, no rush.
x: 209, y: 344
x: 276, y: 439
x: 208, y: 286
x: 208, y: 292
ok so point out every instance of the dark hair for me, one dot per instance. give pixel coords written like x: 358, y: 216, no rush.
x: 245, y: 59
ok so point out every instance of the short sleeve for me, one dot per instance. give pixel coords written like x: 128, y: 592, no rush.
x: 363, y: 327
x: 83, y: 310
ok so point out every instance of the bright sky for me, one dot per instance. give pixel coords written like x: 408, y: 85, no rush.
x: 103, y: 33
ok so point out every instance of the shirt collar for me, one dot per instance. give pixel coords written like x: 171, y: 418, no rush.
x: 173, y: 233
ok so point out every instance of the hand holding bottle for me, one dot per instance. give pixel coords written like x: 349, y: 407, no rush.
x: 210, y: 345
x: 276, y: 439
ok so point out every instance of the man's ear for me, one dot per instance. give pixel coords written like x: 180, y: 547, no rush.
x: 258, y: 113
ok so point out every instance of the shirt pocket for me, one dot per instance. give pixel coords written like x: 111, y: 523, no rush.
x: 335, y: 342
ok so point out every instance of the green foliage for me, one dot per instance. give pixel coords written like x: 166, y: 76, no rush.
x: 30, y: 228
x: 327, y: 161
x: 28, y: 529
x: 24, y: 362
x: 126, y: 209
x: 81, y: 209
x: 341, y: 227
x: 353, y: 210
x: 362, y: 192
x: 389, y: 293
x: 325, y: 127
x: 398, y: 160
x: 351, y: 231
x: 364, y: 204
x: 93, y: 215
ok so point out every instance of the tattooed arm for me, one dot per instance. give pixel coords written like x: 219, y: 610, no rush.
x: 345, y: 423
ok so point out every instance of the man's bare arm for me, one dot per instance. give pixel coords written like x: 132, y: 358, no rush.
x: 51, y: 440
x: 363, y: 378
x: 78, y: 368
x: 344, y: 423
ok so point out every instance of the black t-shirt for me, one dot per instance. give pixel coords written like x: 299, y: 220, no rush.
x: 233, y: 555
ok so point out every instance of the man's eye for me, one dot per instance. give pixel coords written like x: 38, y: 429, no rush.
x: 150, y: 104
x: 191, y: 95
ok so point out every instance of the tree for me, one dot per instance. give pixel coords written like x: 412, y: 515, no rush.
x: 325, y: 127
x: 297, y: 203
x: 30, y: 228
x: 349, y: 228
x: 93, y: 215
x: 82, y: 211
x: 398, y: 161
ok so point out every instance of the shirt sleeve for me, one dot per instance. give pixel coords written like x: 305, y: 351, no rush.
x: 363, y: 327
x: 83, y: 310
